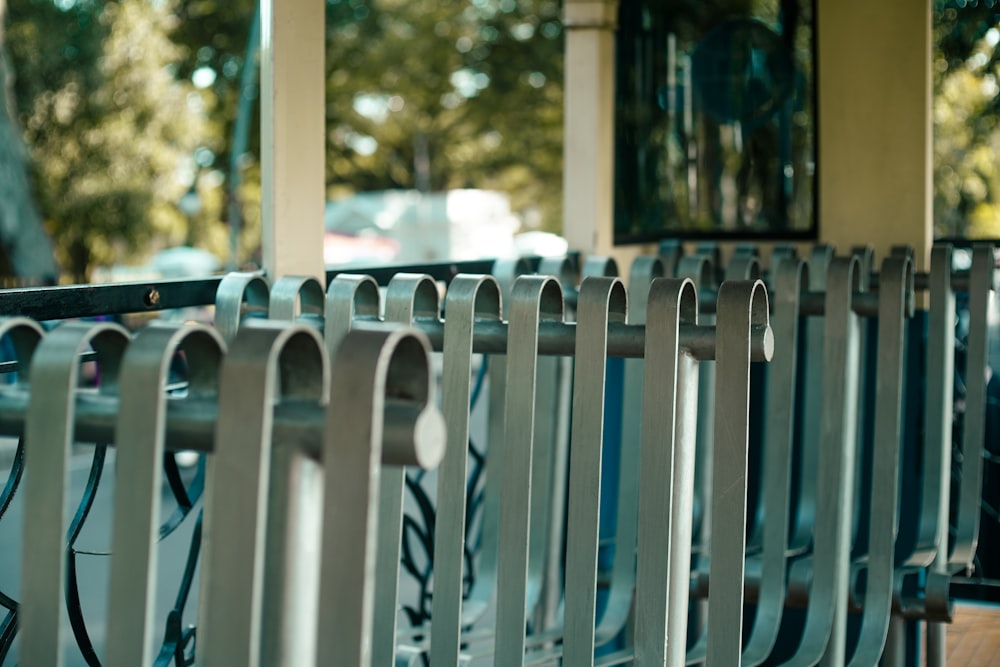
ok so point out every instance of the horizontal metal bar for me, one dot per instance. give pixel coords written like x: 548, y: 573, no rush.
x: 909, y: 608
x: 75, y: 301
x: 12, y: 366
x: 922, y: 280
x: 444, y: 271
x: 864, y: 304
x: 95, y: 300
x: 191, y: 424
x: 624, y: 340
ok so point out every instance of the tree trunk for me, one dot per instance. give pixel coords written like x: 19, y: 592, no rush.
x: 27, y: 248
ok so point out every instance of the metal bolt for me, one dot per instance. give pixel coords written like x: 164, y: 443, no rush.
x: 152, y: 298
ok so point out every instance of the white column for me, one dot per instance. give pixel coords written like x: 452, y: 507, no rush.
x: 292, y: 136
x: 588, y: 153
x: 874, y: 119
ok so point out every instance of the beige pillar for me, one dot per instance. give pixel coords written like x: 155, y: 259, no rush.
x: 874, y: 119
x: 292, y: 136
x: 588, y: 153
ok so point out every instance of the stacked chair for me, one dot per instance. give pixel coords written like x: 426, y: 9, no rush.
x: 705, y: 466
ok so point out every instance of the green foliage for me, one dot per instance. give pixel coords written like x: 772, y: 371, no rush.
x: 111, y: 129
x: 439, y: 95
x: 128, y: 106
x: 966, y: 115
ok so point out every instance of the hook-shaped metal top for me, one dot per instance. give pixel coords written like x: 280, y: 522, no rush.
x: 412, y: 296
x: 24, y: 335
x: 819, y: 259
x: 643, y: 271
x: 599, y: 265
x: 239, y: 296
x: 866, y: 256
x: 743, y: 267
x: 349, y: 298
x: 507, y: 270
x: 564, y: 269
x: 294, y: 297
x: 700, y: 269
x: 482, y: 291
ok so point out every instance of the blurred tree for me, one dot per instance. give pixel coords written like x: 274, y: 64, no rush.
x: 420, y: 94
x: 25, y: 250
x: 113, y: 134
x: 130, y: 110
x: 966, y: 118
x: 439, y: 95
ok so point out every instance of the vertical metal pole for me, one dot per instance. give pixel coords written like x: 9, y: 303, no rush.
x: 546, y: 478
x: 294, y: 511
x: 833, y: 548
x: 938, y: 413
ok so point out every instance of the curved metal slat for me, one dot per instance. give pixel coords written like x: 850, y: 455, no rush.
x: 141, y: 426
x: 409, y: 297
x: 830, y: 560
x: 600, y: 300
x: 532, y: 299
x: 377, y: 374
x: 48, y: 440
x: 789, y: 278
x: 895, y: 292
x: 469, y: 298
x: 666, y: 453
x: 267, y: 363
x: 742, y: 303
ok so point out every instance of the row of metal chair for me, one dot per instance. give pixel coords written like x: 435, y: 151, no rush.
x: 734, y: 485
x: 280, y: 424
x: 838, y: 555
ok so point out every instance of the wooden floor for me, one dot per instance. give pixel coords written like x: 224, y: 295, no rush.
x: 973, y: 640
